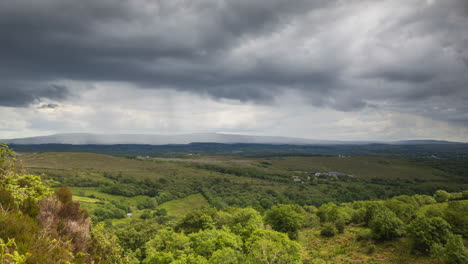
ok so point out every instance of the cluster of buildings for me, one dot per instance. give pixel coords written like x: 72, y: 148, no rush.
x: 331, y: 175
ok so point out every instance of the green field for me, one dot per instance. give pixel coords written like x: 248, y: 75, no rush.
x: 235, y: 181
x: 179, y: 208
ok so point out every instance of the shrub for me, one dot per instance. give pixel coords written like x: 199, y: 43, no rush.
x: 465, y: 194
x: 364, y: 235
x: 311, y: 221
x: 371, y: 249
x: 340, y: 226
x: 328, y: 230
x: 64, y: 194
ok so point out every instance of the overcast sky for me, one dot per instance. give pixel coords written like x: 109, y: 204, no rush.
x: 345, y: 70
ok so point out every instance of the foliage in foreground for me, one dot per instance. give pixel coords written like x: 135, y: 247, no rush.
x: 39, y: 226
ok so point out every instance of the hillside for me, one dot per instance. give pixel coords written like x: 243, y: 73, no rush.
x: 218, y: 209
x: 238, y: 181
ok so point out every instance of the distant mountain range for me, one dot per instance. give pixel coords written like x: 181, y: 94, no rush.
x: 113, y: 139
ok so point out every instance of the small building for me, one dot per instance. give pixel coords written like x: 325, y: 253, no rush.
x: 129, y: 215
x: 335, y: 173
x: 297, y: 180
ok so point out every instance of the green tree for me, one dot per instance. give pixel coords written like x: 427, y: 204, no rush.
x: 205, y: 242
x: 227, y: 256
x: 244, y: 221
x: 197, y: 220
x: 286, y: 218
x: 167, y: 241
x: 135, y: 237
x: 105, y: 247
x: 405, y: 210
x: 385, y: 225
x: 271, y: 247
x: 190, y: 259
x: 456, y: 215
x: 441, y: 196
x: 426, y: 232
x: 331, y: 212
x: 371, y: 209
x: 19, y: 185
x: 455, y: 251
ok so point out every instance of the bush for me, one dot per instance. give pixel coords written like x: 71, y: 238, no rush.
x: 465, y: 194
x: 364, y: 235
x: 311, y: 221
x: 328, y: 230
x: 371, y: 249
x: 340, y: 226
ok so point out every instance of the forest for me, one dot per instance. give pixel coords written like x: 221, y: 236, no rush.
x: 93, y: 208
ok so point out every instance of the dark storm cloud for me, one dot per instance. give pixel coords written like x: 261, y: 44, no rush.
x: 177, y: 44
x: 248, y: 50
x: 19, y: 94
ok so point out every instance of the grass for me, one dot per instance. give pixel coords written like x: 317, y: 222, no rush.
x: 345, y: 248
x: 178, y: 208
x: 85, y: 199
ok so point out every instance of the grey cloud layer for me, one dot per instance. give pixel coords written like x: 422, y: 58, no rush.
x: 347, y: 55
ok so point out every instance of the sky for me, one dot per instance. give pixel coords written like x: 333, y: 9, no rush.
x: 324, y: 69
